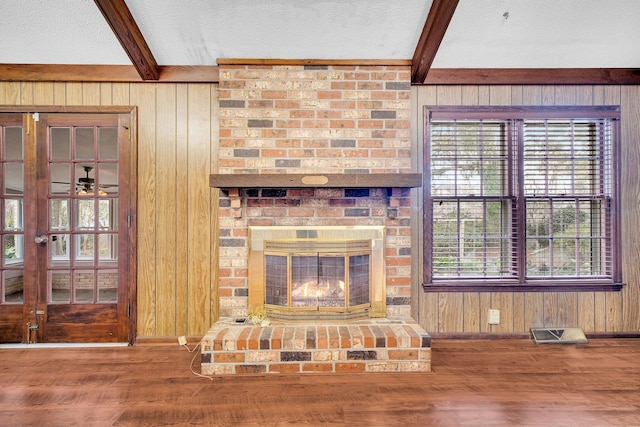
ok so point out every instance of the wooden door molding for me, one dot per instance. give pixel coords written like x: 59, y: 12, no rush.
x: 128, y: 253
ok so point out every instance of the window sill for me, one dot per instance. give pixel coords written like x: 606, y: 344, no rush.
x: 531, y: 286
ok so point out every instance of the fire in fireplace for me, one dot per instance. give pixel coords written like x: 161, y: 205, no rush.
x: 299, y: 273
x: 312, y: 275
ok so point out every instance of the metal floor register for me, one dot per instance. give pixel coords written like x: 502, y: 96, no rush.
x: 558, y: 336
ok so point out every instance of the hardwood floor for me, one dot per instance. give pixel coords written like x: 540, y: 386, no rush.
x: 474, y: 382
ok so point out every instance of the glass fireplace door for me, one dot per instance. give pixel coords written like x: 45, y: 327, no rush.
x: 317, y: 281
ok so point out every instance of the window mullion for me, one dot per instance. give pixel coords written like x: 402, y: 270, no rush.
x: 460, y: 228
x: 517, y: 159
x: 572, y: 132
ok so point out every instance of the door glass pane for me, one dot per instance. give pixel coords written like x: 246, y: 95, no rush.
x: 108, y: 286
x: 13, y: 144
x: 85, y: 247
x: 59, y: 249
x: 60, y: 143
x: 107, y: 212
x: 59, y: 211
x: 86, y: 214
x: 108, y: 143
x: 84, y: 143
x: 83, y: 285
x: 84, y: 185
x: 59, y: 286
x: 13, y: 249
x: 108, y: 254
x: 108, y: 178
x: 13, y: 214
x: 60, y: 178
x: 13, y: 178
x: 13, y: 285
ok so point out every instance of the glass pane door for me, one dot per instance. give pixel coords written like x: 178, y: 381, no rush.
x: 83, y: 274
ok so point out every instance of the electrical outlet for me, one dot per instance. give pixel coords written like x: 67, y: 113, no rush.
x: 494, y: 317
x: 182, y: 340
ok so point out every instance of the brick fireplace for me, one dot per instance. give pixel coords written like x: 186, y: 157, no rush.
x: 305, y: 146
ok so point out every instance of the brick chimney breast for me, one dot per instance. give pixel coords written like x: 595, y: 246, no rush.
x: 314, y: 119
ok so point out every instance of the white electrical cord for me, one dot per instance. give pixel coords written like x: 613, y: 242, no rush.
x: 197, y: 374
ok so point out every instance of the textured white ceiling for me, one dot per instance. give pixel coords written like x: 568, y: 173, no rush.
x: 56, y: 32
x: 542, y: 34
x: 482, y: 33
x: 198, y: 32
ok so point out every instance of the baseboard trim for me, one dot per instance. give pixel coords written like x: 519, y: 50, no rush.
x: 478, y: 336
x: 609, y: 335
x: 66, y: 345
x: 164, y: 340
x: 519, y: 336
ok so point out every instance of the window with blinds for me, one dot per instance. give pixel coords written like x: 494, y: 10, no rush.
x: 522, y: 199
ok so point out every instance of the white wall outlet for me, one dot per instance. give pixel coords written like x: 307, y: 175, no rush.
x: 182, y: 340
x: 494, y: 317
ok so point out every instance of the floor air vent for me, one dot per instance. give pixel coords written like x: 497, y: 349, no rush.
x: 558, y: 336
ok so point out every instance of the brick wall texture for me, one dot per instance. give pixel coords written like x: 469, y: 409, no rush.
x: 279, y: 119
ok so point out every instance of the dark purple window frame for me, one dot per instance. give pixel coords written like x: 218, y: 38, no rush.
x: 519, y: 282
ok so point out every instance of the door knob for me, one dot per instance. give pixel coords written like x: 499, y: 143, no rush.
x: 41, y: 239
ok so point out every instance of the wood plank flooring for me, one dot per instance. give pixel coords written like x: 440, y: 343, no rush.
x: 474, y: 382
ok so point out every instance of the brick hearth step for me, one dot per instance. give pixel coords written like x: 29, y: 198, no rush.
x: 368, y: 345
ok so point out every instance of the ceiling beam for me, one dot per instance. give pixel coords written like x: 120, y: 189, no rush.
x: 126, y: 30
x: 433, y: 32
x: 533, y: 76
x: 106, y: 73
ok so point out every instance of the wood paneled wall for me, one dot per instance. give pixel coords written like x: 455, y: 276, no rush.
x: 467, y: 312
x: 177, y: 150
x: 177, y: 210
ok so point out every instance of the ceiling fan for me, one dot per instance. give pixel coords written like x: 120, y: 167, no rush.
x: 85, y: 184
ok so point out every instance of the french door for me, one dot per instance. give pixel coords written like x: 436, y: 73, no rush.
x: 67, y: 214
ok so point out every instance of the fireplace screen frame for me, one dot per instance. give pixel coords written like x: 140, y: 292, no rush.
x: 262, y: 240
